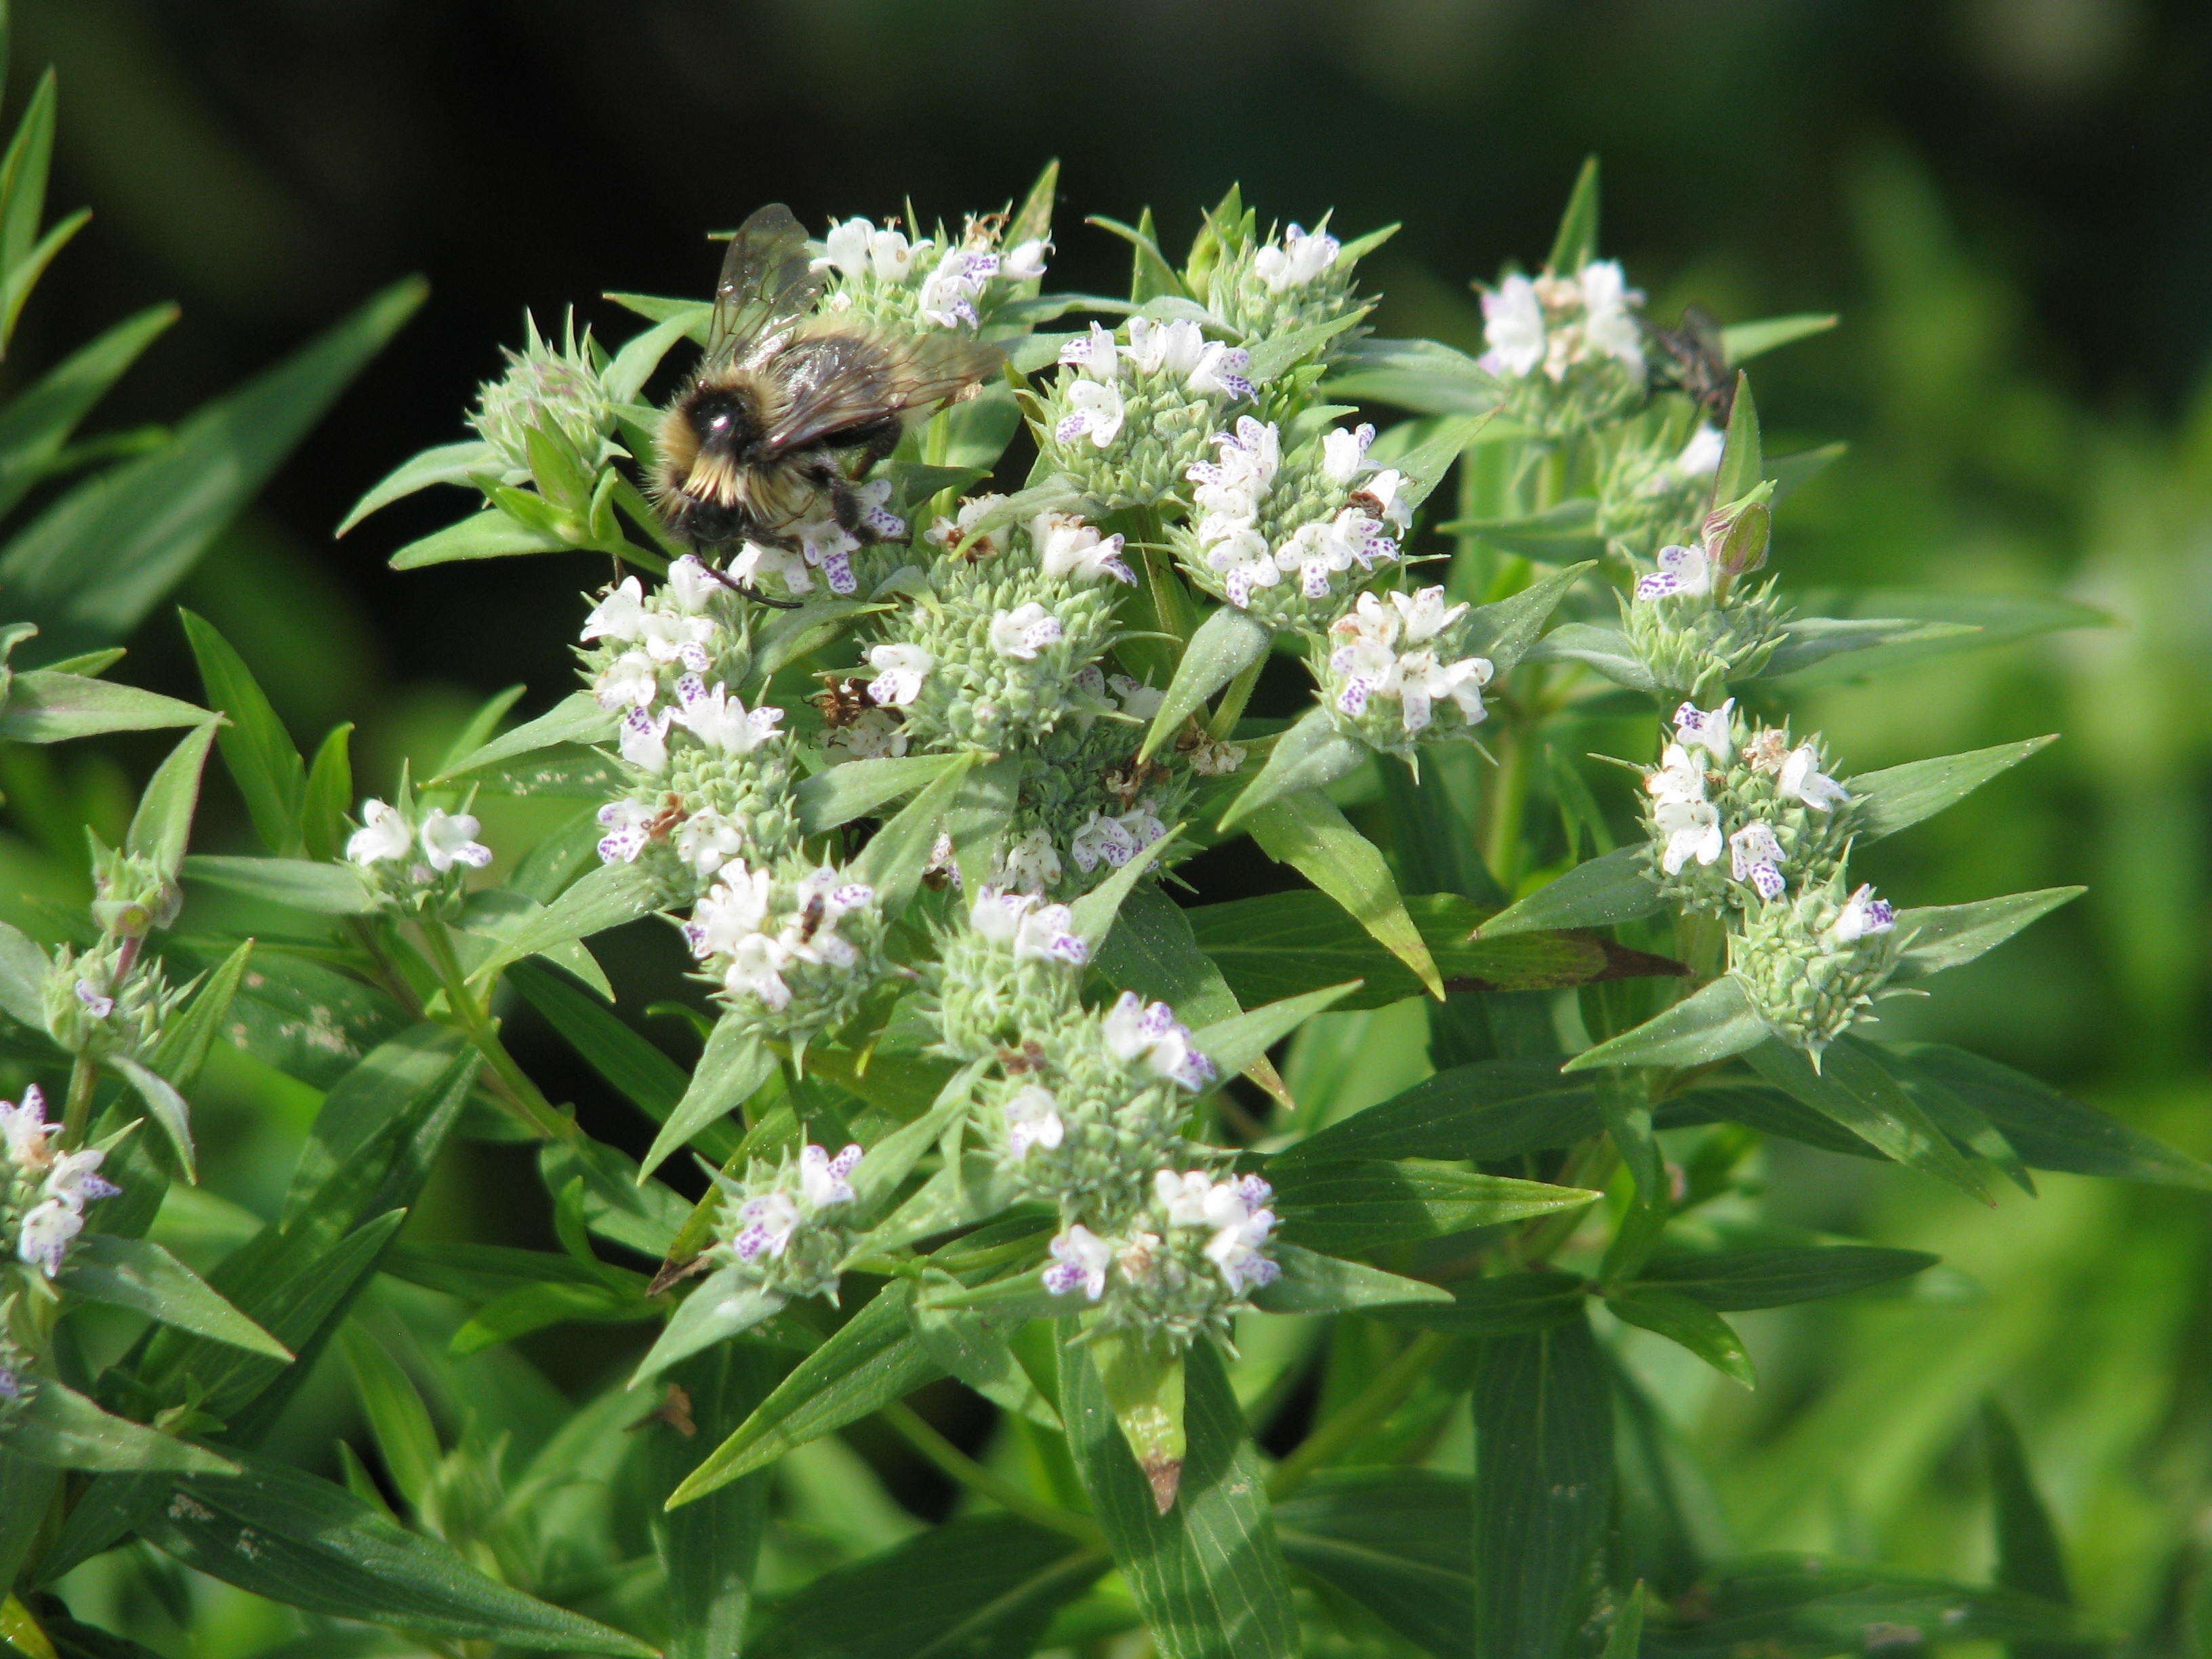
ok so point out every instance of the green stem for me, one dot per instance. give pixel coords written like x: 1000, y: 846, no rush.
x: 973, y: 1475
x: 1230, y: 709
x: 1392, y: 1384
x: 510, y: 1083
x: 1506, y: 807
x: 78, y: 1110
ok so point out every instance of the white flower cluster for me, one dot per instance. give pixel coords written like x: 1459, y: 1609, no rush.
x: 1264, y: 290
x: 42, y: 1192
x: 1687, y: 824
x: 1178, y: 351
x: 411, y: 859
x: 752, y: 930
x: 1027, y: 928
x: 785, y: 1228
x: 1113, y: 841
x: 1299, y: 259
x: 824, y: 546
x: 1557, y: 324
x: 767, y: 1221
x: 943, y: 283
x: 1399, y: 653
x: 1183, y: 1264
x: 1147, y: 1038
x: 1245, y: 546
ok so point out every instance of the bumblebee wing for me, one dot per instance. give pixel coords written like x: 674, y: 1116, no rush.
x: 842, y: 381
x: 768, y: 282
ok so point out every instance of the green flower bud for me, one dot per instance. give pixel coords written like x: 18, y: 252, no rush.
x: 1813, y: 966
x: 558, y: 391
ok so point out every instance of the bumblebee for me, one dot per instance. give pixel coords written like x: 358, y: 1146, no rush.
x: 787, y: 409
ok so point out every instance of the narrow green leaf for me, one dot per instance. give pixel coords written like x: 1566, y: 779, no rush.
x: 162, y: 826
x: 708, y: 1549
x: 1504, y: 630
x: 1852, y: 1089
x: 970, y: 1343
x: 448, y: 464
x: 1224, y: 645
x: 1484, y: 1111
x: 1732, y: 1281
x: 490, y: 534
x: 1400, y: 1542
x: 23, y: 970
x: 856, y: 788
x: 1975, y: 622
x: 93, y: 564
x: 576, y: 719
x: 23, y: 274
x: 1353, y: 1207
x: 1604, y: 649
x: 608, y: 897
x: 874, y: 1358
x: 1898, y: 797
x: 1315, y: 839
x: 1809, y: 640
x: 637, y: 1070
x: 23, y: 174
x: 308, y: 1544
x: 1710, y: 1024
x: 2029, y: 1556
x: 63, y: 1429
x: 735, y: 1064
x: 1543, y: 1488
x: 1952, y: 935
x: 1616, y: 887
x: 330, y: 890
x: 1509, y: 1304
x: 256, y: 747
x: 1742, y: 465
x: 1311, y: 1283
x: 1576, y: 244
x: 328, y: 796
x: 725, y: 1304
x: 36, y: 423
x: 163, y: 1104
x: 1688, y: 1323
x: 140, y: 1275
x: 405, y: 1437
x: 1208, y: 1576
x: 46, y: 705
x: 1243, y: 1040
x: 1566, y: 530
x: 1312, y: 755
x: 897, y: 853
x: 1420, y: 375
x: 1793, y: 1603
x: 1743, y: 341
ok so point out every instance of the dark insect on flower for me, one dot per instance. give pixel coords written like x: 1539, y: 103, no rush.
x: 842, y: 700
x: 1020, y: 1062
x: 1691, y: 359
x: 811, y: 916
x: 671, y: 814
x: 788, y: 410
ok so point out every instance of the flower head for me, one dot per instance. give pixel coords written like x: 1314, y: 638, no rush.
x: 1080, y: 1259
x: 1802, y: 779
x: 449, y: 838
x: 384, y: 835
x: 1513, y: 328
x: 900, y: 671
x: 1149, y: 1035
x: 1032, y: 1116
x: 1682, y: 570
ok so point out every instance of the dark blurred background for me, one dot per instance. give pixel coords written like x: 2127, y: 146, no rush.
x: 2009, y: 201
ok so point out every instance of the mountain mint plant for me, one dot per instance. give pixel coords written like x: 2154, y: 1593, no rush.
x: 988, y: 1092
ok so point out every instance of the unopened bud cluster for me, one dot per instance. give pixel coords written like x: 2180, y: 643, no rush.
x: 554, y: 391
x: 1655, y: 486
x: 1747, y: 825
x: 785, y: 1226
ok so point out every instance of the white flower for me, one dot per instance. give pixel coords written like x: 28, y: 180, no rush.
x: 1862, y: 913
x: 1302, y: 257
x: 1032, y: 1119
x: 1150, y: 1036
x: 1100, y: 841
x: 1344, y: 452
x: 707, y: 841
x: 949, y: 295
x: 1024, y: 261
x: 1080, y: 1259
x: 1221, y: 371
x: 631, y: 680
x: 1422, y: 680
x: 450, y: 838
x: 872, y: 499
x: 1682, y: 570
x: 1693, y: 830
x: 690, y: 585
x: 619, y: 616
x: 1513, y: 328
x: 1096, y: 412
x: 626, y: 823
x: 1241, y: 558
x: 1368, y: 667
x: 1023, y: 631
x: 96, y: 1002
x: 1183, y: 1197
x: 1678, y: 779
x: 1095, y: 355
x: 1607, y: 326
x: 74, y: 1179
x: 1143, y: 827
x: 1142, y: 701
x: 1067, y: 546
x: 1031, y: 931
x: 1030, y: 865
x: 756, y: 968
x: 1710, y: 730
x: 872, y: 735
x: 900, y: 670
x: 1423, y: 614
x: 1701, y: 456
x: 948, y: 533
x: 44, y: 1239
x: 383, y: 834
x: 1802, y: 779
x: 822, y: 1180
x: 719, y: 721
x: 1316, y: 551
x: 1235, y: 1252
x: 1378, y: 495
x: 643, y: 738
x: 1755, y: 856
x: 1369, y: 622
x: 892, y: 258
x: 24, y: 1129
x: 823, y: 898
x: 732, y: 912
x: 769, y: 1222
x: 752, y: 562
x: 845, y: 248
x: 1250, y: 457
